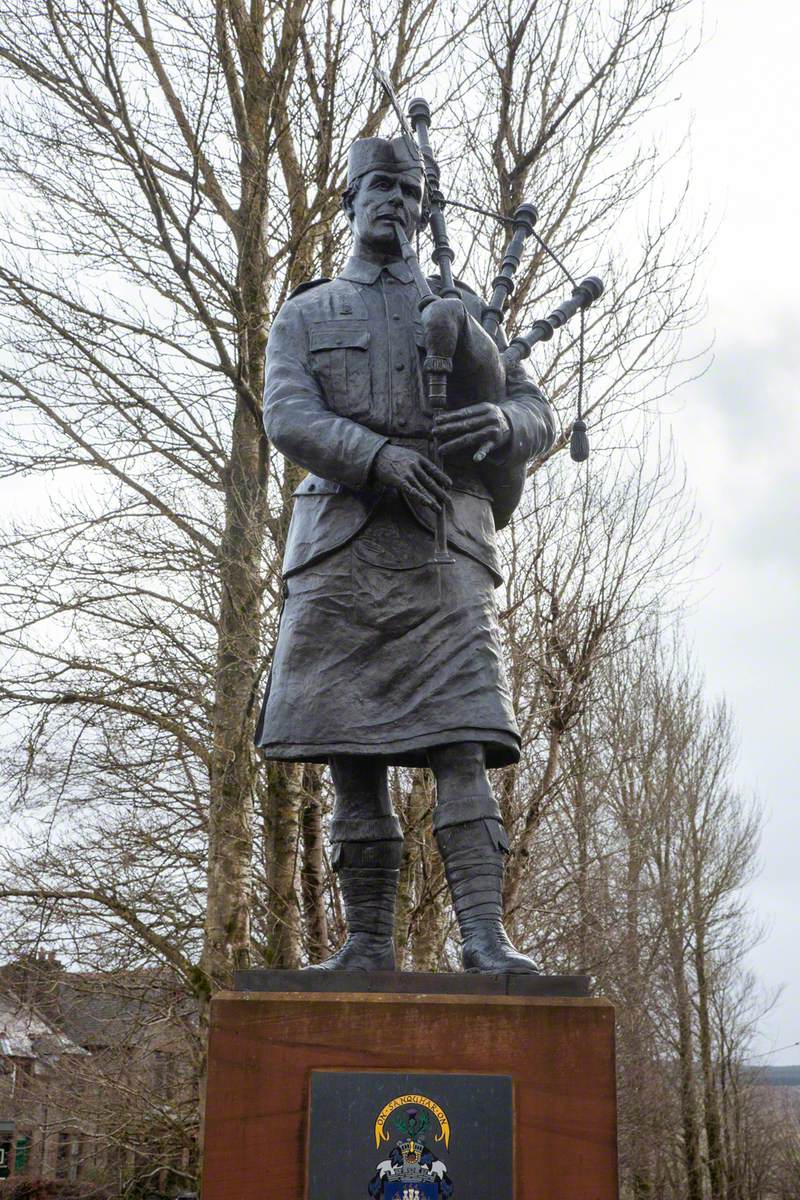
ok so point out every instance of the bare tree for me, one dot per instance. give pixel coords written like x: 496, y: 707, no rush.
x: 175, y: 171
x: 589, y: 556
x: 167, y: 212
x: 688, y: 848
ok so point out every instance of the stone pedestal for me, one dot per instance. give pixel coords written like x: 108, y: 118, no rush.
x: 550, y: 1055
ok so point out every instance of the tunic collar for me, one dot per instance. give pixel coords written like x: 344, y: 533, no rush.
x: 359, y: 271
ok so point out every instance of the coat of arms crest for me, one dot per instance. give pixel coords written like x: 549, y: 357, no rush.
x: 412, y: 1171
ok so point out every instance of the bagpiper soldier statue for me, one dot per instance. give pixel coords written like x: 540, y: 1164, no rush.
x: 416, y: 425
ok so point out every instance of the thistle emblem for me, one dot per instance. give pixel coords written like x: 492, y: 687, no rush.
x: 412, y: 1124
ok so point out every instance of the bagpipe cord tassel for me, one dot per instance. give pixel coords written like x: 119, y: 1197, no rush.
x: 579, y: 442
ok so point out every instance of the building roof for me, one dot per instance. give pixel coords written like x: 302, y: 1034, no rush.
x: 89, y: 1010
x: 25, y: 1034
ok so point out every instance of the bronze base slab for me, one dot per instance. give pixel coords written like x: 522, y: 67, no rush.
x: 415, y: 982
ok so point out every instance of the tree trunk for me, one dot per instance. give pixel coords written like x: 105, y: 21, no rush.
x: 259, y: 102
x: 410, y: 814
x: 518, y: 858
x: 727, y: 1093
x: 226, y: 943
x: 713, y: 1123
x: 227, y: 931
x: 233, y: 765
x: 285, y: 804
x: 688, y: 1099
x: 429, y: 919
x: 313, y: 867
x: 581, y: 826
x: 634, y: 1015
x: 283, y: 815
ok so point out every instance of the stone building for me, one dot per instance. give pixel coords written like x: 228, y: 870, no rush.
x: 97, y: 1079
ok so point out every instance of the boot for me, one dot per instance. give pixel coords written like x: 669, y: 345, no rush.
x: 369, y: 893
x: 473, y: 854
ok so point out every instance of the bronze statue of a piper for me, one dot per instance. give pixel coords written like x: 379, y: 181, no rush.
x: 389, y: 650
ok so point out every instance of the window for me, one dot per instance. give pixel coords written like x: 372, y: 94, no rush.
x: 164, y: 1073
x: 74, y: 1157
x: 22, y: 1153
x: 68, y: 1156
x: 62, y: 1155
x: 5, y: 1155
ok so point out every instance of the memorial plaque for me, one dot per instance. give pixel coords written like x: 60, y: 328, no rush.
x: 410, y: 1136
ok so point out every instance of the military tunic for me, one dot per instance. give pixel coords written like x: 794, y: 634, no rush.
x: 379, y: 650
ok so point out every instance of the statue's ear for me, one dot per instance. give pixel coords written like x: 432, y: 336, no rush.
x: 348, y: 196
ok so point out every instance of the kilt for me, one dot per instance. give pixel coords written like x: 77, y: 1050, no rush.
x: 382, y: 652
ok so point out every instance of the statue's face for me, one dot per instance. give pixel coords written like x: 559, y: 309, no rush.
x: 382, y: 201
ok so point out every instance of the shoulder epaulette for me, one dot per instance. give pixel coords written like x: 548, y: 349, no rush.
x: 309, y: 283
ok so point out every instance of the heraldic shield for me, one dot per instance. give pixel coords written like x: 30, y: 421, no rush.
x: 415, y: 1190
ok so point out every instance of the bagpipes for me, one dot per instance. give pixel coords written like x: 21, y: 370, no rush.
x: 437, y: 366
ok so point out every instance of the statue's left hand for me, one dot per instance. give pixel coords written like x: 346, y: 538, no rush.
x: 480, y: 428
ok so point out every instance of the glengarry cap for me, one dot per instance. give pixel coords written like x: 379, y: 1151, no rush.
x: 392, y: 155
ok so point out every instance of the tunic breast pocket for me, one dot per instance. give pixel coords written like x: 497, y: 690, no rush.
x: 339, y: 357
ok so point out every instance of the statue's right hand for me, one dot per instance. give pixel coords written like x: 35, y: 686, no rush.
x: 412, y: 474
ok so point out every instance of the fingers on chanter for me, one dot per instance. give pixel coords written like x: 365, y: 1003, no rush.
x: 469, y: 417
x: 478, y: 426
x: 468, y: 442
x: 441, y: 477
x: 425, y: 498
x: 430, y: 485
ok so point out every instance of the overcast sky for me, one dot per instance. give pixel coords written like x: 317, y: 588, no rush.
x: 739, y: 430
